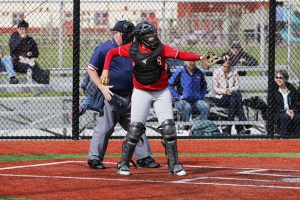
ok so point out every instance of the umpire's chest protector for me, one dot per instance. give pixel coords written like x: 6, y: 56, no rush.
x: 147, y: 70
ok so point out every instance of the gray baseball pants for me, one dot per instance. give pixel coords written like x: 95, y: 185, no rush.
x: 115, y: 111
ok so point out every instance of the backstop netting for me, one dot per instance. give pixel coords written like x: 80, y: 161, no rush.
x: 37, y: 73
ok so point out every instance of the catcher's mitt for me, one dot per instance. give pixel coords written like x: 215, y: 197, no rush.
x: 210, y: 59
x: 104, y: 81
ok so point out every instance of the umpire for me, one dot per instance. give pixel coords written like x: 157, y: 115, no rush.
x: 117, y: 109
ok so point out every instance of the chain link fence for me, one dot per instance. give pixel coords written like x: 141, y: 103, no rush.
x: 32, y: 106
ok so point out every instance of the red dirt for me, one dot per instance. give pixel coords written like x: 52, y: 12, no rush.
x: 187, y: 146
x: 134, y: 187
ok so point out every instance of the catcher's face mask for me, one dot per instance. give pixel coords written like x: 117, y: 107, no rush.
x: 151, y: 41
x: 146, y: 33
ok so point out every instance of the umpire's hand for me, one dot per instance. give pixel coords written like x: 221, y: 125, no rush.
x: 105, y: 89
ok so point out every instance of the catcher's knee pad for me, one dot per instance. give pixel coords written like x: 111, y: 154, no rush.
x: 136, y: 130
x: 170, y: 139
x: 169, y: 130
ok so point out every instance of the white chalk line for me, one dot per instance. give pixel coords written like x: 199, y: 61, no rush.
x: 38, y: 165
x: 149, y: 181
x: 182, y: 181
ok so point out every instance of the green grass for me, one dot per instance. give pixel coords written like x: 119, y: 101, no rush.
x: 49, y: 52
x: 11, y: 198
x: 24, y: 157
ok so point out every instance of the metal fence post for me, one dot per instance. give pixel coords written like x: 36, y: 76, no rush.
x: 271, y: 67
x: 76, y: 68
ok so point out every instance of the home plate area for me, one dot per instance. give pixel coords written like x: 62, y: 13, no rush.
x: 197, y: 174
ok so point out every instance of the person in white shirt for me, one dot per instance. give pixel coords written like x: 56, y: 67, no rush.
x: 227, y: 94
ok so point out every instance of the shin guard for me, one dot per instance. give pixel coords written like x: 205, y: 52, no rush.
x: 136, y: 130
x: 170, y: 140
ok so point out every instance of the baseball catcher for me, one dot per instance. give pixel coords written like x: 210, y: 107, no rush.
x: 150, y: 82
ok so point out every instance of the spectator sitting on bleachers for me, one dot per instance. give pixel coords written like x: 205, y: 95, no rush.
x: 7, y: 65
x: 23, y: 46
x: 188, y: 88
x: 239, y: 57
x: 287, y: 106
x: 227, y: 94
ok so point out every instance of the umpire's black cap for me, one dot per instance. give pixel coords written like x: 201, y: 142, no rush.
x: 123, y: 26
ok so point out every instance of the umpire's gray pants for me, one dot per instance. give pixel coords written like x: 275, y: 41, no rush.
x: 114, y: 111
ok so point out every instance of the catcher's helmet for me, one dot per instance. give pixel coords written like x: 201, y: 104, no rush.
x: 146, y: 33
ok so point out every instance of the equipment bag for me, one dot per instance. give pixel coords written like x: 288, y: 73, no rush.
x: 257, y: 103
x: 204, y: 128
x: 39, y: 75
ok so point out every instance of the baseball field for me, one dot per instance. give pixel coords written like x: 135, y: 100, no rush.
x: 217, y: 169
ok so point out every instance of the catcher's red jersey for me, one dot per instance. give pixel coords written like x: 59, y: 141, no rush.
x: 167, y: 52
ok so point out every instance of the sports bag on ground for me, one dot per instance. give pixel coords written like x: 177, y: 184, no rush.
x: 257, y: 103
x: 204, y: 128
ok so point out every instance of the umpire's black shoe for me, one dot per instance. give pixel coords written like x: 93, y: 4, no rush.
x: 13, y: 80
x: 96, y: 164
x: 148, y: 162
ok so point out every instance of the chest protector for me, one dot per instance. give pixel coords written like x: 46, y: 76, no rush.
x: 146, y: 70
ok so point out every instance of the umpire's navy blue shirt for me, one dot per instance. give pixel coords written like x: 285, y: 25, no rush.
x: 120, y: 73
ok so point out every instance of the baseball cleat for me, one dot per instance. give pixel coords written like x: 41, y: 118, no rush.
x: 181, y: 173
x: 124, y: 171
x: 96, y: 164
x: 148, y: 162
x: 178, y: 170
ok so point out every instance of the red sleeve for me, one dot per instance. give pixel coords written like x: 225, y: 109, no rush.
x: 120, y: 51
x: 169, y: 52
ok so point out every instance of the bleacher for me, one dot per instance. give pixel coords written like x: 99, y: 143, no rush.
x: 41, y: 109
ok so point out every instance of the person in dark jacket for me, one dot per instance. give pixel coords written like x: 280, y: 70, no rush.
x: 188, y: 88
x: 239, y: 57
x: 23, y: 49
x: 287, y: 105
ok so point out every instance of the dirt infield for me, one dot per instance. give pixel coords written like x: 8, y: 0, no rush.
x: 210, y: 176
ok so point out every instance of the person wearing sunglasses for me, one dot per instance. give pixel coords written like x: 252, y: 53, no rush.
x: 287, y: 106
x: 227, y: 94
